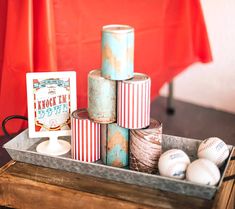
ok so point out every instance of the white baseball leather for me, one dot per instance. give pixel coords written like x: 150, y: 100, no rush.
x: 213, y: 149
x: 173, y: 163
x: 203, y: 171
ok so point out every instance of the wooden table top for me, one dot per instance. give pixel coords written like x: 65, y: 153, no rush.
x: 29, y: 186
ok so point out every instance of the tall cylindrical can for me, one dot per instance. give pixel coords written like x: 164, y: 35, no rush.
x: 117, y: 52
x: 101, y: 98
x: 114, y: 145
x: 146, y: 147
x: 85, y: 137
x: 133, y: 105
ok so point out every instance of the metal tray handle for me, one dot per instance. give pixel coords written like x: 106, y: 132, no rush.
x: 4, y: 122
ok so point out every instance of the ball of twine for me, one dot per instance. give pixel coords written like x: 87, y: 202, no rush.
x: 146, y: 148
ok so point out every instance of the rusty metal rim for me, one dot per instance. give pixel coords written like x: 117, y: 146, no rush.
x: 124, y: 78
x: 159, y: 125
x: 98, y: 76
x: 137, y: 81
x: 104, y: 122
x: 75, y: 114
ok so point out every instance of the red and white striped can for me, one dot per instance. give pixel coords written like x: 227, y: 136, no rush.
x: 133, y: 105
x: 85, y: 137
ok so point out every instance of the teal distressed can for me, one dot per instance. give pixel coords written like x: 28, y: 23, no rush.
x: 101, y: 98
x: 114, y: 145
x: 117, y: 52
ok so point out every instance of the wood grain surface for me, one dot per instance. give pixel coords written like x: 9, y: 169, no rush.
x: 28, y: 186
x: 225, y: 198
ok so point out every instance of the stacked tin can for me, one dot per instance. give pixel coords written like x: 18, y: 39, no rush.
x: 146, y: 148
x: 118, y: 100
x: 117, y: 52
x: 117, y: 65
x: 85, y: 137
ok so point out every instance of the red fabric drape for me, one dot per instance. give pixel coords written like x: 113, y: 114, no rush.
x: 51, y: 35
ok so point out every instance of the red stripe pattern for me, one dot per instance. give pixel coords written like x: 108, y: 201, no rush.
x: 85, y: 140
x: 133, y: 105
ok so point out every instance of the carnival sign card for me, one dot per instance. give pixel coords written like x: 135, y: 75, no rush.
x: 51, y: 99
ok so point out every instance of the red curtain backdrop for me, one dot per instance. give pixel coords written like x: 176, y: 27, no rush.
x: 58, y: 35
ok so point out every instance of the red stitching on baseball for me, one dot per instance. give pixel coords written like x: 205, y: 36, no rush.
x: 220, y: 158
x: 170, y: 169
x: 209, y: 171
x: 206, y: 146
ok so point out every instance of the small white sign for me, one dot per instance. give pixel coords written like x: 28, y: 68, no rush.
x: 51, y: 100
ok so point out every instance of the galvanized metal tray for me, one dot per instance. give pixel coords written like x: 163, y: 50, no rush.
x: 22, y: 148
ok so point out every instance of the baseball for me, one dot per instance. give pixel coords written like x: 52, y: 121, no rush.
x: 173, y: 163
x: 203, y: 171
x: 213, y: 149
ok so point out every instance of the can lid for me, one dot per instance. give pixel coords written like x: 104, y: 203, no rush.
x: 154, y: 124
x: 137, y: 77
x: 152, y: 133
x: 118, y: 28
x: 80, y: 114
x: 95, y: 73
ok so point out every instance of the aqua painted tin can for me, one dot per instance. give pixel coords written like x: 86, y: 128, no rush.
x: 114, y: 145
x: 117, y: 52
x: 101, y: 98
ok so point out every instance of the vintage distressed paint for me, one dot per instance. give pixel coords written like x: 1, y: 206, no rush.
x: 133, y: 103
x: 114, y: 145
x: 117, y: 52
x: 146, y: 147
x: 85, y: 137
x: 101, y: 98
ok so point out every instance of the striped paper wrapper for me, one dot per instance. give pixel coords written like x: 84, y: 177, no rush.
x: 133, y: 105
x: 117, y: 52
x: 101, y: 98
x: 85, y: 137
x: 114, y: 145
x: 146, y: 148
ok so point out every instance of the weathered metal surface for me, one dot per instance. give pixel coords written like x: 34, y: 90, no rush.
x: 101, y: 98
x: 117, y: 52
x: 23, y: 149
x: 146, y: 147
x: 133, y: 105
x: 85, y: 137
x: 114, y: 145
